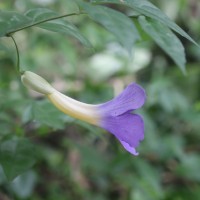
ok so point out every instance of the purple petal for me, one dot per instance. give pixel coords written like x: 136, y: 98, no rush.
x: 130, y: 149
x: 128, y: 129
x: 133, y: 97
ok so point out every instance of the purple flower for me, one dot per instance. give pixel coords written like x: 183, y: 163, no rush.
x: 118, y: 119
x: 116, y: 116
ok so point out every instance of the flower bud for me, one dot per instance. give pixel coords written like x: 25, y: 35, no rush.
x: 36, y: 83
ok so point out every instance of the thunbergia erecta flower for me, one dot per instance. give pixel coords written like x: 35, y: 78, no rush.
x: 116, y: 116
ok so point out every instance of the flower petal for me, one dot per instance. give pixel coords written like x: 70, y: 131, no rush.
x: 128, y: 128
x: 133, y: 97
x: 130, y: 149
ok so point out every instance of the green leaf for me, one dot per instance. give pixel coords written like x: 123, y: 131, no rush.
x: 23, y: 185
x: 58, y: 25
x: 148, y: 9
x: 2, y: 176
x: 65, y: 27
x: 40, y: 14
x: 115, y: 22
x: 44, y: 113
x: 149, y: 181
x: 189, y: 167
x: 10, y: 21
x: 166, y: 39
x: 16, y: 156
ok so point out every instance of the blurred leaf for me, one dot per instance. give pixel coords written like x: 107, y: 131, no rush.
x: 5, y: 124
x: 45, y: 113
x: 166, y: 39
x: 92, y: 159
x: 192, y: 118
x: 16, y: 156
x: 27, y: 114
x: 10, y: 21
x: 172, y: 100
x: 148, y: 9
x: 96, y: 132
x: 115, y: 22
x: 65, y: 27
x: 23, y: 185
x: 58, y: 25
x: 52, y: 156
x: 152, y: 139
x: 2, y: 175
x: 148, y: 186
x: 163, y: 92
x: 40, y: 14
x: 173, y: 145
x: 3, y: 47
x: 189, y: 167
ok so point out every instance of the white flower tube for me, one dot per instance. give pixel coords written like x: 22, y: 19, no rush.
x: 64, y: 103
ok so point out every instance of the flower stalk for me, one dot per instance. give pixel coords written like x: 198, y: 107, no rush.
x: 17, y: 50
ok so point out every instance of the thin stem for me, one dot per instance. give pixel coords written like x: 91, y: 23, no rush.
x: 18, y: 58
x: 45, y: 20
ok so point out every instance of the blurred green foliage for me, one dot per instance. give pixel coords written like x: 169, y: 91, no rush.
x: 61, y: 158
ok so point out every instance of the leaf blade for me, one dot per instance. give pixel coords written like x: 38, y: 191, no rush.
x: 10, y: 21
x: 148, y: 9
x: 16, y: 156
x: 166, y: 39
x: 44, y: 113
x: 115, y: 22
x: 64, y: 27
x: 58, y: 25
